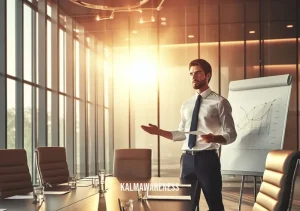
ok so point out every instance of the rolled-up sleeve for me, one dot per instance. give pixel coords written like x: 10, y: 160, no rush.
x: 226, y: 119
x: 178, y: 135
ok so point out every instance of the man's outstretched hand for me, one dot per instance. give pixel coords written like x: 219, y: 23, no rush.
x: 152, y: 129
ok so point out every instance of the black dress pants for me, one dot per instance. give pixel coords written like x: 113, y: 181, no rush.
x: 205, y: 167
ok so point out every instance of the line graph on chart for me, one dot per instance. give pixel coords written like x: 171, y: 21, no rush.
x: 257, y: 125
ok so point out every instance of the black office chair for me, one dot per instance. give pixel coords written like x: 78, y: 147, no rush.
x: 15, y: 178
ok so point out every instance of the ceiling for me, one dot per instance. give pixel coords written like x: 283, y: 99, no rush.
x: 181, y: 19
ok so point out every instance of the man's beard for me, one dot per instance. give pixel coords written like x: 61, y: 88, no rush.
x: 199, y: 85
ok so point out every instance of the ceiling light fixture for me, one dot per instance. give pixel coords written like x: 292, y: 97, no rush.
x: 289, y: 26
x: 131, y: 8
x: 191, y: 36
x: 251, y: 32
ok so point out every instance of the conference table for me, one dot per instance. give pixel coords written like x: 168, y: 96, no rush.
x: 89, y: 199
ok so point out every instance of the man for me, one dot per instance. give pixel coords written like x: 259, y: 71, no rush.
x: 210, y: 115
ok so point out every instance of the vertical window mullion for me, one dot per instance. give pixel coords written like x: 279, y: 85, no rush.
x: 3, y: 103
x: 41, y: 70
x: 19, y: 73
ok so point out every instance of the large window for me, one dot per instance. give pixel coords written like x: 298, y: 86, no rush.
x: 38, y: 115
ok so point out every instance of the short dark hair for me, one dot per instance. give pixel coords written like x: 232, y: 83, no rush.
x: 203, y: 64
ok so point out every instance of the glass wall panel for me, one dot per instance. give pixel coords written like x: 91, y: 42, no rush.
x: 36, y: 48
x: 49, y: 55
x: 279, y: 54
x: 77, y: 137
x: 232, y: 55
x: 88, y: 73
x: 143, y: 91
x: 173, y: 71
x: 108, y: 107
x: 209, y: 50
x: 252, y: 50
x: 49, y: 10
x: 121, y: 68
x: 62, y: 120
x: 91, y: 139
x: 100, y: 137
x: 107, y: 137
x: 28, y: 43
x: 11, y: 37
x: 77, y: 68
x: 82, y: 140
x: 178, y: 45
x: 62, y: 60
x: 49, y: 114
x: 28, y: 124
x: 11, y: 114
x: 37, y: 112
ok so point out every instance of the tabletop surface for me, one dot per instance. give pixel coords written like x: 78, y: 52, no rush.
x: 88, y: 198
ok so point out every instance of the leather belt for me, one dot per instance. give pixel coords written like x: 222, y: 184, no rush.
x: 195, y: 152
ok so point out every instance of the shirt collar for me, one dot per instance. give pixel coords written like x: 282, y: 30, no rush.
x: 205, y: 93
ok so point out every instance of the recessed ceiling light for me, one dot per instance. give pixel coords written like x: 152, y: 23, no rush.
x: 191, y: 36
x: 163, y: 23
x: 134, y: 32
x: 163, y: 19
x: 152, y: 19
x: 289, y: 26
x: 141, y: 20
x: 251, y: 32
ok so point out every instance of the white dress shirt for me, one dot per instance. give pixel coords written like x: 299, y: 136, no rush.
x: 214, y: 117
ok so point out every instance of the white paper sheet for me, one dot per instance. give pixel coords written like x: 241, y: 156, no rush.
x: 55, y: 192
x: 198, y: 132
x: 3, y: 209
x: 21, y: 197
x: 169, y: 197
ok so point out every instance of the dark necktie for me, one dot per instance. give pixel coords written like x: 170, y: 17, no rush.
x: 194, y: 124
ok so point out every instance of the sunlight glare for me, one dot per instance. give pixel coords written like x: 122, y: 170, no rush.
x: 143, y: 70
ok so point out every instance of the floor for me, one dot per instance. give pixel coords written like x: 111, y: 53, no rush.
x: 231, y: 195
